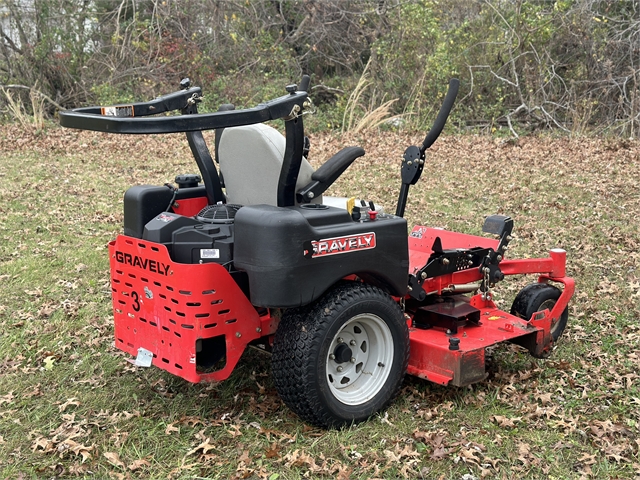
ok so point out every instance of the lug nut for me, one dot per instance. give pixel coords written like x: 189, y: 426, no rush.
x: 340, y: 340
x: 340, y: 368
x: 352, y: 343
x: 353, y: 360
x: 332, y: 357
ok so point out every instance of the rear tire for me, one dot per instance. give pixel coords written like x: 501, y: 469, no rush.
x: 536, y: 297
x: 343, y: 358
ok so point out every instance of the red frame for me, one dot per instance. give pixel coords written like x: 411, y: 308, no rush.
x: 167, y: 313
x: 430, y: 354
x: 166, y: 307
x: 189, y: 207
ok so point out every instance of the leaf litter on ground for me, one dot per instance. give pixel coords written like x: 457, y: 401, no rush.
x: 70, y: 405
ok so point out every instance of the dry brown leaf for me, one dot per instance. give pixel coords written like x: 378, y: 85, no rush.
x: 299, y: 458
x: 506, y: 422
x: 245, y: 458
x: 171, y: 428
x: 70, y: 401
x: 439, y: 453
x: 545, y: 398
x: 114, y: 459
x: 273, y: 452
x: 205, y: 446
x: 8, y: 398
x: 138, y: 464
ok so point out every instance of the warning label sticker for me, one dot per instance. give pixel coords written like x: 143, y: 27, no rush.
x: 119, y: 111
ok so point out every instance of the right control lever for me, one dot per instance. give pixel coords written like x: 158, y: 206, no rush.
x: 502, y: 226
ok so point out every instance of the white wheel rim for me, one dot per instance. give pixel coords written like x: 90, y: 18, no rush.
x: 359, y: 379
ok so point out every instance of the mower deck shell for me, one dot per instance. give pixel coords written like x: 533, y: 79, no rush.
x: 433, y: 359
x: 185, y: 304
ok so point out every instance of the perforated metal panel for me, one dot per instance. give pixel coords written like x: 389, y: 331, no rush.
x: 166, y: 307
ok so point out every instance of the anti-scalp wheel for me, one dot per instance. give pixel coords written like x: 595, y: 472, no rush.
x: 341, y: 359
x: 535, y: 297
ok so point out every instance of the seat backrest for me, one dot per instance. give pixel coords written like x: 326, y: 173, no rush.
x: 250, y: 159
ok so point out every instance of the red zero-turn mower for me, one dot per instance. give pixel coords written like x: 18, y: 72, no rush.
x: 249, y: 252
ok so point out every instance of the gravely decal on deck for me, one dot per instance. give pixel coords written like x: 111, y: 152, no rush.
x: 346, y: 244
x: 144, y: 263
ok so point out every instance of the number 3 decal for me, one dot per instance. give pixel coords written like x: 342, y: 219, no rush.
x: 136, y: 301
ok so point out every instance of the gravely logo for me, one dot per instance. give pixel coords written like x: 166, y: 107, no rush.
x: 346, y: 244
x: 144, y: 263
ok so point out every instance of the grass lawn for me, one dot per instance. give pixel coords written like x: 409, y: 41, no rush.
x: 71, y: 406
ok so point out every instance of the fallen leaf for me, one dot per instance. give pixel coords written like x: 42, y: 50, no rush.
x: 171, y: 428
x: 506, y: 422
x: 245, y: 458
x: 8, y: 398
x: 273, y: 452
x: 545, y: 398
x: 138, y: 464
x: 114, y: 459
x: 205, y: 446
x: 439, y: 453
x: 49, y: 362
x: 70, y: 401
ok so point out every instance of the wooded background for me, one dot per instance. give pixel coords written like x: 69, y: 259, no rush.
x: 570, y: 65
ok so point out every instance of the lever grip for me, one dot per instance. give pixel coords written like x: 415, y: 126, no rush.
x: 304, y: 83
x: 441, y: 119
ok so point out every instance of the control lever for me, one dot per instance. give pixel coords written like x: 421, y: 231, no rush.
x: 413, y: 158
x: 502, y: 226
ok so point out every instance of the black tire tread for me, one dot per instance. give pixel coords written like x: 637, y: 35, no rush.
x: 531, y: 297
x: 299, y: 337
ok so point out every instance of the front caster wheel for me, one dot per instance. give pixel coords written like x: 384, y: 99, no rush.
x: 342, y: 358
x: 536, y: 297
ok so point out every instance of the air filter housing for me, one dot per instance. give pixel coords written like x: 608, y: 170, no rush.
x: 220, y: 213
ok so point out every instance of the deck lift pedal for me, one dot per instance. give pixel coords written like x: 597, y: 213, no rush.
x: 345, y: 304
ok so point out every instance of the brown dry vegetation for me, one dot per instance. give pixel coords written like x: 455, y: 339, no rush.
x: 70, y: 405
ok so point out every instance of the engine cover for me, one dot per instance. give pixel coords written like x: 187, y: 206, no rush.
x: 292, y: 255
x: 190, y: 240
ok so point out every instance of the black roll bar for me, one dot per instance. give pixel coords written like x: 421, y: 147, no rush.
x: 130, y: 118
x: 443, y: 114
x: 136, y: 118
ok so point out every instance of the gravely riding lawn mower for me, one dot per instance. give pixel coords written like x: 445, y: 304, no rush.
x: 254, y: 255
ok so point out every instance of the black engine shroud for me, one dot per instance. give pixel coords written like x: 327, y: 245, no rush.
x: 288, y: 256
